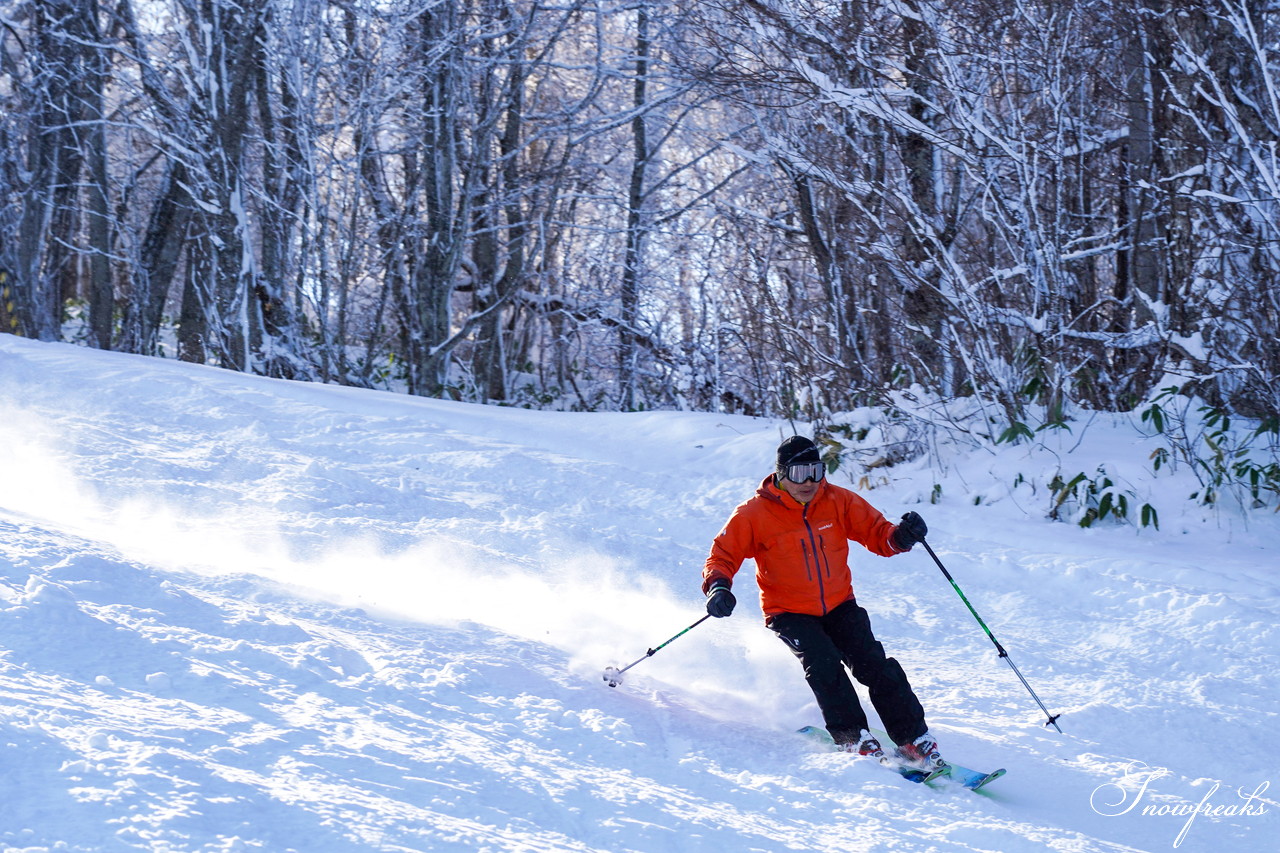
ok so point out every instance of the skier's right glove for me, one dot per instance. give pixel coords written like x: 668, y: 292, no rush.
x: 720, y: 601
x: 909, y: 531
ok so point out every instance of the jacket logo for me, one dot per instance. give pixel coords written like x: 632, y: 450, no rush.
x: 828, y: 525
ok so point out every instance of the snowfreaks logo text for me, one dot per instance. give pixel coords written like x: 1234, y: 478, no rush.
x: 1133, y: 794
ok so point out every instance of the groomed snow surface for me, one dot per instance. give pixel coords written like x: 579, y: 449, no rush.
x: 248, y: 614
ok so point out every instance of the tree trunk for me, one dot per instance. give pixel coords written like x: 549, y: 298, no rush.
x: 923, y: 304
x: 633, y: 259
x: 94, y: 136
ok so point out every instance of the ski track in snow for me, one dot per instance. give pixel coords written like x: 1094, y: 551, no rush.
x: 248, y: 614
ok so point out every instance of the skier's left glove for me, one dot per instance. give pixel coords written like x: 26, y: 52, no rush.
x: 720, y: 601
x: 909, y: 531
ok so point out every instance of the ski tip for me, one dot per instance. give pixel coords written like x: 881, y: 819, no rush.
x: 820, y: 734
x: 979, y: 784
x: 971, y: 779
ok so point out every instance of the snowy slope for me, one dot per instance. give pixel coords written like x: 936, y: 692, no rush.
x: 246, y: 614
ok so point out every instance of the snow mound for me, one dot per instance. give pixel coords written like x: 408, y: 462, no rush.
x: 248, y: 614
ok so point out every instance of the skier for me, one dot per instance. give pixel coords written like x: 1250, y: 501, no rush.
x: 797, y: 528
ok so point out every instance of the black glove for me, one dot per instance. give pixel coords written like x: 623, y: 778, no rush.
x: 720, y: 601
x: 909, y: 531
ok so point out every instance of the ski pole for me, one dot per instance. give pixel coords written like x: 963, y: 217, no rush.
x: 613, y: 675
x: 1053, y: 718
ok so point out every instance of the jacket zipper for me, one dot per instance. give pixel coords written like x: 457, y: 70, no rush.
x: 822, y: 592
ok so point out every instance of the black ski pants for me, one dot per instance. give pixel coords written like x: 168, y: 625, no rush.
x: 827, y: 644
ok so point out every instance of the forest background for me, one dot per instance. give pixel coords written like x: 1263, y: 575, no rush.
x: 1013, y: 214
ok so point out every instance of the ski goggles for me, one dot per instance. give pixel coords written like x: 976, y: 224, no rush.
x: 803, y: 472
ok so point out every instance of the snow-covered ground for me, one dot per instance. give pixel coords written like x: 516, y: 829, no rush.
x: 246, y: 614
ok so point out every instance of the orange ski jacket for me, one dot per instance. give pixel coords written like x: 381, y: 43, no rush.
x: 801, y: 550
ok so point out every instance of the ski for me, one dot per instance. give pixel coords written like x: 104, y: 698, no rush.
x: 974, y: 780
x: 911, y: 774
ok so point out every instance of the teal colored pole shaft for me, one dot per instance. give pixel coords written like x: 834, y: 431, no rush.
x: 1004, y: 655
